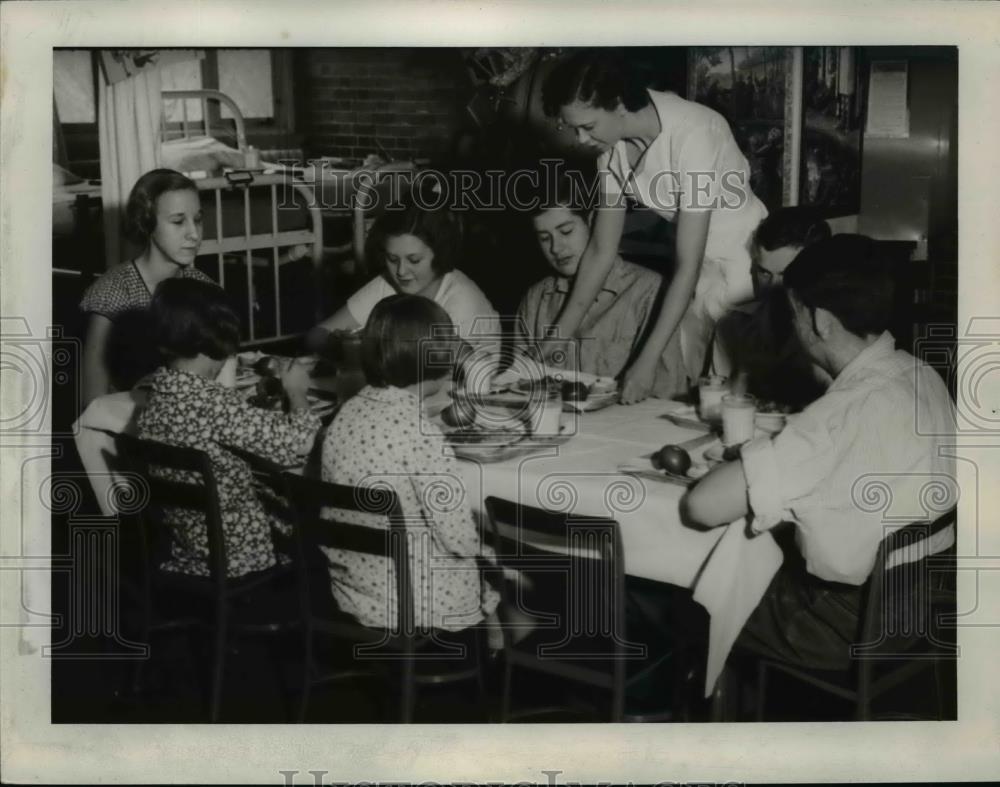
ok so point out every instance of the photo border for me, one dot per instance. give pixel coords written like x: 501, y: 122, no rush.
x: 34, y: 750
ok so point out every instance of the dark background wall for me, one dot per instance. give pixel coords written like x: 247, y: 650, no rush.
x: 406, y: 102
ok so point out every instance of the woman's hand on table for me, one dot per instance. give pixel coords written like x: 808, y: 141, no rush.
x: 637, y: 384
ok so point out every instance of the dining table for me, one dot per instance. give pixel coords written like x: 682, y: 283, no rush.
x: 594, y: 468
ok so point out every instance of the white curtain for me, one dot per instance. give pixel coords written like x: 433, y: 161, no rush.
x: 129, y: 133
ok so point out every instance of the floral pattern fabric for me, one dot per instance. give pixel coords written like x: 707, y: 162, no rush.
x: 189, y: 410
x: 379, y: 438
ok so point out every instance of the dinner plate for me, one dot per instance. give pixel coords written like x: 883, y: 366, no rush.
x: 714, y: 454
x: 643, y: 467
x: 499, y: 446
x: 518, y: 397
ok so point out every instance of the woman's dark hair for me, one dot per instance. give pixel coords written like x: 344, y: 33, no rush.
x: 192, y: 317
x: 407, y: 339
x: 844, y: 275
x: 437, y: 228
x: 140, y: 210
x: 796, y: 226
x: 599, y: 77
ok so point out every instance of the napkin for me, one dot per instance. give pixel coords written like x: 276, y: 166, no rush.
x: 94, y: 435
x: 730, y: 587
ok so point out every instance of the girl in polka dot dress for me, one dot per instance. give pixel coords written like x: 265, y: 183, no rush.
x: 379, y: 438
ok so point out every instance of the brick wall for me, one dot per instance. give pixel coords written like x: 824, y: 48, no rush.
x: 411, y: 99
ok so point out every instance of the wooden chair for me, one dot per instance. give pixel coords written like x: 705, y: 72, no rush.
x: 225, y: 605
x: 906, y: 607
x: 423, y: 658
x: 567, y: 573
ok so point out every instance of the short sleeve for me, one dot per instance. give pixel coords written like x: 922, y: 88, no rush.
x: 108, y: 296
x: 469, y: 308
x: 360, y: 304
x: 698, y: 169
x: 96, y: 300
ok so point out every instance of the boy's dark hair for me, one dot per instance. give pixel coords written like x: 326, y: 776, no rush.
x: 140, y: 210
x: 844, y: 275
x: 570, y: 190
x: 437, y: 228
x: 408, y: 338
x: 599, y: 77
x: 192, y: 317
x: 796, y: 226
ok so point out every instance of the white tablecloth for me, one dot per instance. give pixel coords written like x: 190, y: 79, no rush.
x: 727, y: 570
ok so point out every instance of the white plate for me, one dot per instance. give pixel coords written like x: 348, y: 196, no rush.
x: 643, y: 467
x: 713, y: 454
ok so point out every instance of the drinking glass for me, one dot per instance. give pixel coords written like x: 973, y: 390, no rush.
x: 738, y: 412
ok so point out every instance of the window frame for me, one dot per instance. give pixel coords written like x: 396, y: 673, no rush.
x: 79, y: 141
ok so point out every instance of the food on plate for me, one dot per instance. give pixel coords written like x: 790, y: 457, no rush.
x: 772, y: 423
x: 603, y: 385
x: 249, y: 358
x: 458, y: 416
x: 673, y: 459
x: 697, y: 470
x: 550, y: 384
x: 574, y: 392
x: 268, y: 393
x: 268, y: 366
x: 269, y: 386
x: 486, y: 436
x: 773, y: 407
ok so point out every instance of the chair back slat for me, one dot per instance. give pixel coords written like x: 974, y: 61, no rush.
x: 897, y: 603
x: 177, y: 494
x: 167, y: 471
x: 574, y: 572
x: 269, y: 486
x: 530, y: 536
x: 317, y: 525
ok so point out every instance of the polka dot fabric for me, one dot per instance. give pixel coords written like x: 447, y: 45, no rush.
x: 379, y: 439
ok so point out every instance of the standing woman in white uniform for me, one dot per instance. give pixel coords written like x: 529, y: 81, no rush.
x: 679, y: 159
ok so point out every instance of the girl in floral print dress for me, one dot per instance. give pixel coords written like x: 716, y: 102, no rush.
x: 379, y: 438
x: 197, y: 331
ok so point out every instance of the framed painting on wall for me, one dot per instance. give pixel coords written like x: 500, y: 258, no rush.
x: 833, y: 86
x: 748, y: 86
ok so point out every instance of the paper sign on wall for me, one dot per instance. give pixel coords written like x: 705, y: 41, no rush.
x: 888, y: 114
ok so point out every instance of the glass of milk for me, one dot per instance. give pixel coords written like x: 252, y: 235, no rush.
x: 738, y: 412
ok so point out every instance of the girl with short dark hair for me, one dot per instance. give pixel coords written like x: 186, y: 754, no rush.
x: 196, y: 331
x: 415, y: 251
x: 380, y: 437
